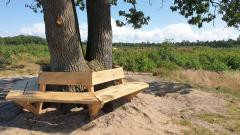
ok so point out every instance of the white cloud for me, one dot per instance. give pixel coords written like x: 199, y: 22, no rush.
x: 5, y: 33
x: 37, y: 29
x: 177, y: 32
x: 83, y: 31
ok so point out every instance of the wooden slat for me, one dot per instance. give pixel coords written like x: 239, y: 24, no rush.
x: 39, y: 105
x: 131, y: 96
x: 93, y: 109
x: 65, y: 78
x: 42, y: 87
x: 107, y: 75
x: 90, y: 88
x: 120, y: 90
x: 59, y: 97
x: 27, y: 106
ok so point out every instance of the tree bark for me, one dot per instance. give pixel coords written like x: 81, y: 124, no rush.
x: 62, y: 34
x: 99, y: 45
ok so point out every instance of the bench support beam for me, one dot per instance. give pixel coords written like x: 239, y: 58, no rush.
x: 131, y: 96
x: 94, y: 109
x: 28, y: 106
x: 39, y: 105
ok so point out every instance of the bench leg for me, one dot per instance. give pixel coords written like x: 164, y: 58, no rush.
x: 39, y: 107
x: 131, y: 96
x: 93, y: 110
x: 28, y: 106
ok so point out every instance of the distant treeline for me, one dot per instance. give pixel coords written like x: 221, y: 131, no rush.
x: 214, y: 44
x: 27, y: 40
x: 22, y: 40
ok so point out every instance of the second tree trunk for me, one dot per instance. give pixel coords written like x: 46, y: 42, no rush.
x: 99, y: 46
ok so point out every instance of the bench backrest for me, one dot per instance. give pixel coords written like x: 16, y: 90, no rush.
x: 107, y: 75
x: 80, y: 78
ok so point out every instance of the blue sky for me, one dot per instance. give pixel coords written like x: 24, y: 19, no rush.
x: 17, y: 19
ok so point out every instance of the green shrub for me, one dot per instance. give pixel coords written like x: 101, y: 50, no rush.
x: 5, y: 59
x: 162, y: 71
x: 193, y: 63
x: 234, y: 62
x: 168, y: 65
x: 218, y: 66
x: 43, y: 61
x: 145, y: 64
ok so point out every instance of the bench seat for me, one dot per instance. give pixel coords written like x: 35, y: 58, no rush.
x: 121, y: 90
x: 103, y: 96
x: 58, y: 97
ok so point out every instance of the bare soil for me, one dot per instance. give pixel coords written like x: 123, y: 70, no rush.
x: 164, y: 108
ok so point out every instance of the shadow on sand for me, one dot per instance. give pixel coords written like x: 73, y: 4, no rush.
x: 57, y: 122
x: 162, y: 88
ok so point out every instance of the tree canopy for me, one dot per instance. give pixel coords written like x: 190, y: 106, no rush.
x: 197, y: 12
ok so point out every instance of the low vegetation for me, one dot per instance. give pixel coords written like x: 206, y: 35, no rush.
x: 22, y: 40
x: 149, y: 59
x: 141, y: 59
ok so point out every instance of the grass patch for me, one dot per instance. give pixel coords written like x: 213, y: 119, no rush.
x: 198, y: 130
x: 230, y: 122
x: 185, y: 122
x: 194, y: 129
x: 233, y: 123
x: 212, y: 118
x: 222, y: 82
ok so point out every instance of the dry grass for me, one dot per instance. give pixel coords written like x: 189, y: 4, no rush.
x: 192, y: 129
x: 227, y: 82
x: 230, y: 121
x: 19, y: 68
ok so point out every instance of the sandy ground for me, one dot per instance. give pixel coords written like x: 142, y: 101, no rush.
x: 153, y: 112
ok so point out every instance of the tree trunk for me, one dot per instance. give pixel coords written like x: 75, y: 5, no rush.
x: 99, y: 46
x: 62, y: 33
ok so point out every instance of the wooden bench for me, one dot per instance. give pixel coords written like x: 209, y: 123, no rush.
x: 33, y: 100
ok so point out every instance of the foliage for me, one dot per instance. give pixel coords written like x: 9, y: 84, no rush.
x: 5, y: 59
x: 9, y: 54
x: 197, y: 11
x: 140, y: 58
x: 148, y: 59
x: 22, y: 40
x: 215, y: 44
x: 200, y: 11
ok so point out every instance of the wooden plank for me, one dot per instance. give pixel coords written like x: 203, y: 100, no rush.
x: 121, y: 81
x: 94, y: 109
x: 65, y: 78
x: 59, y: 97
x: 90, y: 88
x: 131, y: 96
x: 120, y: 90
x: 107, y: 75
x: 42, y: 87
x: 39, y: 105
